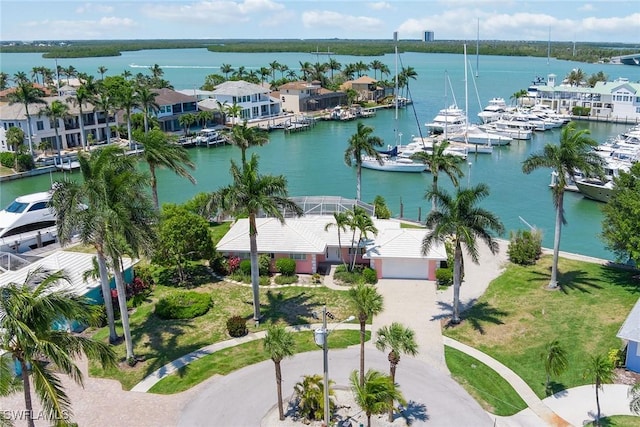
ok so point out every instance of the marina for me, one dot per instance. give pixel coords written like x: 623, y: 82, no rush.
x: 313, y: 160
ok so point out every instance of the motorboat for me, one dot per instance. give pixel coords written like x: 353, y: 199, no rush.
x: 476, y: 135
x: 493, y: 111
x: 419, y: 144
x: 208, y: 136
x: 27, y: 221
x: 448, y: 120
x: 600, y: 189
x: 392, y: 162
x: 512, y: 129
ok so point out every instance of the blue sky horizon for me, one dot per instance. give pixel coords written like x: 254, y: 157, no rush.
x: 533, y: 20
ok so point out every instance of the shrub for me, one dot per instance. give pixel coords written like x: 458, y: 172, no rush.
x: 264, y: 281
x: 316, y: 278
x: 380, y: 208
x: 286, y: 266
x: 444, y: 276
x: 237, y: 326
x: 264, y: 264
x: 616, y: 357
x: 245, y: 267
x: 219, y: 264
x: 369, y: 275
x: 286, y: 279
x: 7, y: 159
x: 233, y: 263
x: 183, y: 305
x: 346, y: 276
x: 525, y: 247
x: 25, y: 163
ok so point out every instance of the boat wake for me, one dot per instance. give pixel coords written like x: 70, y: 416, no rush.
x: 174, y: 66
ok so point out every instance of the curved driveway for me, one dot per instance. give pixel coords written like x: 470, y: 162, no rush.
x: 244, y: 397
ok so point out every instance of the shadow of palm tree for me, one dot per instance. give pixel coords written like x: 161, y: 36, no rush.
x: 622, y: 276
x: 577, y: 280
x: 482, y: 313
x: 413, y: 411
x: 556, y: 389
x: 445, y: 311
x: 294, y: 310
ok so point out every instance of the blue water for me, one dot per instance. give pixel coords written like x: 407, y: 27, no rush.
x: 313, y: 163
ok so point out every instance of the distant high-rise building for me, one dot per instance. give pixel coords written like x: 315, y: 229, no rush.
x: 428, y: 36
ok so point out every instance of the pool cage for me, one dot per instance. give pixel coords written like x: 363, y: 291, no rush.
x: 326, y: 205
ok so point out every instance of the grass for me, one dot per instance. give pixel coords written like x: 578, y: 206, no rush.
x: 231, y: 359
x: 159, y: 341
x: 218, y: 230
x: 517, y: 316
x: 409, y: 225
x: 618, y: 421
x: 493, y: 392
x: 5, y: 171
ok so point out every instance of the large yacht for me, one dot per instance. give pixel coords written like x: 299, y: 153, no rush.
x: 448, y: 120
x: 27, y: 222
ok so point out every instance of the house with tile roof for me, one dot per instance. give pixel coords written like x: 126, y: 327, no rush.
x: 173, y: 104
x: 255, y: 101
x: 394, y: 252
x: 366, y: 87
x: 630, y: 332
x: 302, y: 96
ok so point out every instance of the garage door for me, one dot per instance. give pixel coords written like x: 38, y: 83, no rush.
x: 405, y: 269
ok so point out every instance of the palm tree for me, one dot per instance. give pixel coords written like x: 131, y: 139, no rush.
x: 362, y: 142
x: 310, y: 395
x: 359, y: 221
x: 279, y: 344
x: 226, y: 69
x: 70, y: 71
x: 26, y: 94
x: 463, y: 222
x: 9, y: 384
x: 15, y: 139
x: 555, y: 361
x: 341, y: 222
x: 438, y: 160
x: 367, y: 302
x: 376, y: 394
x: 600, y: 371
x: 127, y: 99
x: 104, y: 102
x: 186, y: 120
x: 575, y: 153
x: 204, y: 117
x: 398, y: 339
x: 54, y: 112
x: 245, y: 137
x: 147, y: 100
x: 81, y: 98
x: 159, y: 152
x: 518, y: 95
x: 305, y: 69
x: 406, y: 74
x: 274, y: 66
x: 249, y: 194
x: 4, y: 80
x: 101, y: 70
x: 375, y: 66
x: 235, y: 111
x: 29, y: 311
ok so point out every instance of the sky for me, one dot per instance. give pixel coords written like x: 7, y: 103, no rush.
x: 560, y: 20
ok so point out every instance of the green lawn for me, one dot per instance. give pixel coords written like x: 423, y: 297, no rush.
x: 517, y: 316
x: 162, y: 341
x: 492, y: 391
x: 619, y: 421
x: 218, y: 230
x: 231, y: 359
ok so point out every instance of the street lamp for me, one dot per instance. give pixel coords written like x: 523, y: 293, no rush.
x: 320, y: 336
x: 469, y: 175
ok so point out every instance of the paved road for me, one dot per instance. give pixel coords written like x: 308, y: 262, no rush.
x: 242, y: 398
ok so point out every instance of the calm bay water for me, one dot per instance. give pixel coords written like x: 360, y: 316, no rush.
x: 313, y: 160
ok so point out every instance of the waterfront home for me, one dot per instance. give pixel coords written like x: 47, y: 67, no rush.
x: 43, y: 130
x: 616, y: 100
x: 255, y: 101
x: 197, y: 94
x: 366, y: 87
x: 394, y: 252
x: 630, y: 332
x: 302, y: 96
x: 173, y: 104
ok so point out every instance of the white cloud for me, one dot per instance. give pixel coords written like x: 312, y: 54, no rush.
x: 587, y: 7
x: 211, y: 12
x: 106, y: 27
x: 352, y: 24
x: 94, y: 8
x: 381, y: 5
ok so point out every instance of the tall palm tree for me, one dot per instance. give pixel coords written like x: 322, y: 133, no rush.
x: 245, y: 137
x: 160, y: 152
x: 147, y: 100
x: 376, y: 394
x: 463, y: 222
x: 555, y: 361
x: 359, y: 221
x: 9, y: 384
x: 367, y: 302
x: 29, y: 311
x: 127, y: 99
x: 104, y: 101
x: 235, y: 111
x: 249, y: 194
x: 341, y: 221
x: 186, y: 120
x: 226, y: 69
x: 15, y: 139
x: 4, y: 80
x: 375, y: 66
x: 518, y: 95
x: 102, y: 70
x: 26, y: 93
x: 363, y: 142
x: 274, y: 66
x: 575, y: 153
x: 279, y: 344
x: 54, y: 112
x: 600, y: 371
x: 70, y: 71
x: 80, y: 99
x: 398, y: 339
x: 305, y: 69
x: 438, y: 160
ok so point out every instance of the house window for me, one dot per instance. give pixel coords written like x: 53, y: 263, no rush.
x: 298, y: 257
x: 40, y: 125
x: 359, y: 251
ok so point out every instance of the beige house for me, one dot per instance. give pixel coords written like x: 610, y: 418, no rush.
x: 302, y: 96
x: 366, y: 87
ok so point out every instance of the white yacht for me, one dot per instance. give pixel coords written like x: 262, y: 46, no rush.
x: 28, y: 221
x: 601, y: 189
x: 392, y: 162
x: 493, y: 111
x: 448, y: 120
x: 514, y: 130
x: 476, y: 135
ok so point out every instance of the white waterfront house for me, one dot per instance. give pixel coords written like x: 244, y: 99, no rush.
x: 255, y: 101
x: 616, y: 100
x: 301, y: 96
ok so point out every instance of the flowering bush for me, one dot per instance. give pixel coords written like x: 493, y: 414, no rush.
x: 233, y: 263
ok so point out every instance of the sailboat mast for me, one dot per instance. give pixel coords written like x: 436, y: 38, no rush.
x: 478, y: 48
x: 549, y: 46
x: 396, y: 100
x: 466, y: 96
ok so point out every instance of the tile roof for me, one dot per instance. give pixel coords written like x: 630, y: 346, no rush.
x: 403, y: 243
x: 170, y: 97
x: 630, y: 329
x: 239, y: 88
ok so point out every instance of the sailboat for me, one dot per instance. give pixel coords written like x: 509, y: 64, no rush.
x: 391, y: 162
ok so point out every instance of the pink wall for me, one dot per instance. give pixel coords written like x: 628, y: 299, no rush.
x: 433, y: 266
x: 302, y: 266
